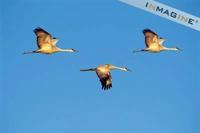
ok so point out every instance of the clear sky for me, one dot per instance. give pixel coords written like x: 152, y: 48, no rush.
x: 48, y: 93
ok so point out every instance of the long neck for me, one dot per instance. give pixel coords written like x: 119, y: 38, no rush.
x: 171, y: 49
x: 115, y: 67
x: 64, y: 50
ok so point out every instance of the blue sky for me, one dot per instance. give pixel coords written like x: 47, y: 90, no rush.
x: 48, y: 93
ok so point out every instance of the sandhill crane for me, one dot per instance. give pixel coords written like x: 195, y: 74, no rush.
x: 46, y: 43
x: 103, y: 72
x: 154, y: 43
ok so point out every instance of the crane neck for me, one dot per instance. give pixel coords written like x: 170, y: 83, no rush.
x: 65, y: 50
x: 115, y: 67
x: 170, y: 49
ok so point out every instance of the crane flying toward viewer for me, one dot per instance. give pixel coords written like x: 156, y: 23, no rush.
x: 154, y: 43
x: 46, y: 43
x: 103, y: 72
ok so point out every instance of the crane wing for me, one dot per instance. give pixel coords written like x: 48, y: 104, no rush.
x: 105, y: 79
x: 44, y: 39
x: 148, y: 32
x: 150, y: 37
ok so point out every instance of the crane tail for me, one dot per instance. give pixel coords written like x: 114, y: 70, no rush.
x: 85, y: 70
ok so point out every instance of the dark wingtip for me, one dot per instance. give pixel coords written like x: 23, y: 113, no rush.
x: 37, y: 29
x: 148, y: 30
x: 106, y: 87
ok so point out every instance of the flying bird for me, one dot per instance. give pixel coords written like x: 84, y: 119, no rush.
x: 103, y: 72
x: 46, y: 43
x: 154, y: 43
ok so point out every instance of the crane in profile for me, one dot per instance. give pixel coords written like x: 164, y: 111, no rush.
x: 46, y: 43
x: 103, y: 72
x: 154, y: 43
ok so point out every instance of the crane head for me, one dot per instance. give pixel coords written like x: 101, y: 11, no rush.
x: 72, y: 50
x: 178, y: 49
x: 126, y: 69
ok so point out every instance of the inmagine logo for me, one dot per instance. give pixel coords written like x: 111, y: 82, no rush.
x: 167, y: 12
x: 183, y: 18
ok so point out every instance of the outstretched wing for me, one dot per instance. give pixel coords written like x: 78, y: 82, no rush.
x: 44, y: 39
x: 148, y: 32
x: 150, y: 37
x: 105, y: 79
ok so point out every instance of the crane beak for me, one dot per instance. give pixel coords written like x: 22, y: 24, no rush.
x: 74, y: 50
x: 179, y: 49
x: 128, y: 70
